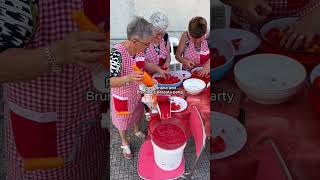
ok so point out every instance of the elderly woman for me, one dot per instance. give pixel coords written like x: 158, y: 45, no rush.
x: 45, y: 83
x: 193, y: 44
x: 159, y: 52
x: 127, y: 108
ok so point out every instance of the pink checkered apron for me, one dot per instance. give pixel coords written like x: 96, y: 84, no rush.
x: 43, y: 114
x: 153, y: 57
x: 191, y: 53
x: 280, y: 8
x: 126, y: 98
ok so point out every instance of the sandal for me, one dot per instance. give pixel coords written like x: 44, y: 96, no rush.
x: 140, y: 135
x: 126, y: 152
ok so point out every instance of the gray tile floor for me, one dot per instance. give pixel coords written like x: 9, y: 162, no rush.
x: 122, y: 169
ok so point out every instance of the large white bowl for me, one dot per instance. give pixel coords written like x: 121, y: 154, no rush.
x: 269, y: 78
x: 194, y: 86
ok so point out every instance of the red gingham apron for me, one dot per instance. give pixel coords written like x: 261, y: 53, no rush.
x: 191, y: 53
x: 61, y: 97
x: 153, y: 57
x: 280, y: 8
x: 126, y: 98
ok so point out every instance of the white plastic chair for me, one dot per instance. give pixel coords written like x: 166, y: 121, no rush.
x: 174, y: 64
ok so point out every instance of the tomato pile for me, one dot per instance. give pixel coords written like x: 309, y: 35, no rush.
x: 217, y: 144
x: 275, y: 35
x: 175, y: 106
x: 216, y: 58
x: 167, y: 79
x: 236, y: 43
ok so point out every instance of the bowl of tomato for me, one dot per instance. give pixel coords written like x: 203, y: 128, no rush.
x: 195, y: 74
x: 171, y: 79
x: 221, y: 57
x: 272, y: 33
x: 314, y: 91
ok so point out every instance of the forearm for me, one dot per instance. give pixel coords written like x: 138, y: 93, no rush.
x: 152, y: 68
x: 118, y: 81
x: 22, y: 64
x: 180, y: 58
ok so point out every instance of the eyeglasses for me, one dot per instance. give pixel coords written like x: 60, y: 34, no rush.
x: 142, y: 42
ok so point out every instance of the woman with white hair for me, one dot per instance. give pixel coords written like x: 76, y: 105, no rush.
x: 159, y: 52
x: 126, y: 106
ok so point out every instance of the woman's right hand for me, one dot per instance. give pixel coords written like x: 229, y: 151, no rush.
x: 189, y: 64
x: 135, y: 76
x: 256, y: 10
x: 81, y: 47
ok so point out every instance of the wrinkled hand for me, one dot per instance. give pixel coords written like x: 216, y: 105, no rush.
x: 135, y: 76
x: 189, y: 64
x: 256, y: 10
x: 85, y: 48
x: 204, y: 72
x: 301, y: 33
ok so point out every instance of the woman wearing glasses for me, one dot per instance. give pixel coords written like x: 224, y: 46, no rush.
x: 159, y: 52
x: 126, y: 106
x: 193, y: 47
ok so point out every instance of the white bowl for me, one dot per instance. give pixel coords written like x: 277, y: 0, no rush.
x: 314, y: 73
x: 194, y: 86
x: 269, y: 78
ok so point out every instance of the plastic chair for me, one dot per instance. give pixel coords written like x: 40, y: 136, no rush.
x: 147, y: 168
x: 174, y: 64
x: 271, y: 164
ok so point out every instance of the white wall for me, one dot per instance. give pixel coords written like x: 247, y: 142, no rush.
x: 178, y: 11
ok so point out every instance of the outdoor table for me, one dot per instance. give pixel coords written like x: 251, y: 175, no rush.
x: 292, y: 125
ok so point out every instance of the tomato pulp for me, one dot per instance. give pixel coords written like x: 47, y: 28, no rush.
x: 169, y: 136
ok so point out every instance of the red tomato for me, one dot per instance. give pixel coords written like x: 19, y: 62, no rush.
x: 168, y: 79
x: 175, y: 106
x: 217, y: 144
x: 236, y: 43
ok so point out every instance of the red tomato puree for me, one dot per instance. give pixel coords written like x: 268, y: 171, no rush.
x: 169, y: 136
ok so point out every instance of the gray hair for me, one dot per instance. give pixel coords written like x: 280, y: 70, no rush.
x: 159, y: 21
x: 139, y: 28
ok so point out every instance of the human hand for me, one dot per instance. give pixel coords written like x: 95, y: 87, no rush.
x: 256, y: 10
x: 189, y: 64
x: 302, y: 33
x: 84, y: 48
x: 135, y: 76
x: 204, y: 72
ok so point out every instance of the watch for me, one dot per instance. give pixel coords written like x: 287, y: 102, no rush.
x: 53, y: 67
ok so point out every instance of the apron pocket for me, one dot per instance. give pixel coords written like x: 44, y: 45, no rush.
x: 120, y: 105
x: 34, y: 133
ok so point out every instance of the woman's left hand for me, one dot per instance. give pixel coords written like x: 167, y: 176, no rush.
x: 204, y: 71
x: 301, y: 33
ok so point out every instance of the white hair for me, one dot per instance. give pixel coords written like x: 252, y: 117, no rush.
x: 159, y: 21
x: 139, y: 28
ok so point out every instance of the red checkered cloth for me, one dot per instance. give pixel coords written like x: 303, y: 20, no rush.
x: 152, y: 56
x: 280, y: 8
x: 63, y: 93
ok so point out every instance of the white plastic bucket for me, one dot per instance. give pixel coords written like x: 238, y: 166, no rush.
x: 168, y: 160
